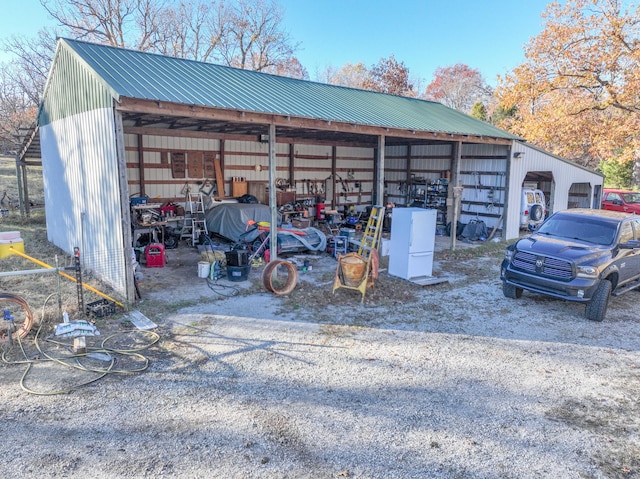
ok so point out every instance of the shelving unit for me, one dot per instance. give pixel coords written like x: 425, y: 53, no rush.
x: 424, y: 194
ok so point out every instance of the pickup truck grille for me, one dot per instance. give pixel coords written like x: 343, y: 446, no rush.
x: 551, y: 267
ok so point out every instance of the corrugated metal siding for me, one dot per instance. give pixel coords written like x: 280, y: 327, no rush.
x: 565, y: 175
x: 159, y: 181
x: 242, y: 157
x: 355, y: 167
x: 312, y: 167
x: 82, y: 198
x: 154, y: 77
x: 430, y: 162
x: 483, y: 174
x: 71, y: 89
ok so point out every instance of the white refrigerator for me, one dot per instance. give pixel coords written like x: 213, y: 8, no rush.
x: 413, y: 233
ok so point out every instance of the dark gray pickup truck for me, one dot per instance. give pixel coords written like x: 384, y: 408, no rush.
x: 579, y: 255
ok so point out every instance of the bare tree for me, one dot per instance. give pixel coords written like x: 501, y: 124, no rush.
x: 22, y: 82
x: 193, y: 30
x: 256, y: 39
x: 246, y: 33
x: 458, y: 87
x: 121, y: 23
x: 32, y: 59
x: 17, y: 111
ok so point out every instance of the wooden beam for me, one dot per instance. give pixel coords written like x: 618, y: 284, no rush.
x: 186, y: 133
x: 141, y: 164
x: 219, y: 178
x: 334, y: 164
x: 292, y: 166
x: 379, y: 188
x: 134, y: 105
x: 273, y: 204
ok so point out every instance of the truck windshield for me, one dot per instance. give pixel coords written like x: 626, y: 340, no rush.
x: 581, y: 229
x: 631, y: 197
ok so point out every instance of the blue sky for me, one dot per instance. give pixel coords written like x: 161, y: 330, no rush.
x: 487, y: 35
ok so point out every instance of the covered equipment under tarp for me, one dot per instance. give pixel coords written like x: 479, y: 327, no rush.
x: 230, y: 220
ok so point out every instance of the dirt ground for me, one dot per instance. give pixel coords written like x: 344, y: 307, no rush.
x: 448, y: 380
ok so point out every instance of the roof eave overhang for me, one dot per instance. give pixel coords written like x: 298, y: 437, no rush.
x: 169, y: 109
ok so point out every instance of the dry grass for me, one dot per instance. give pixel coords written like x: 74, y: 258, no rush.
x: 46, y: 293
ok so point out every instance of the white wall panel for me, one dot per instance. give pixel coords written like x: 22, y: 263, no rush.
x: 82, y: 194
x: 444, y: 149
x: 564, y: 174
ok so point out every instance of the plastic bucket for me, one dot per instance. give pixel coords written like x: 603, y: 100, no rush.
x: 238, y: 273
x: 353, y: 267
x: 204, y: 268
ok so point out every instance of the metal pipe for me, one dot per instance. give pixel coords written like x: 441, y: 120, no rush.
x: 45, y: 265
x: 33, y: 271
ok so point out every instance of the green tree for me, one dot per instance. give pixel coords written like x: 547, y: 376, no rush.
x: 479, y: 111
x: 617, y: 174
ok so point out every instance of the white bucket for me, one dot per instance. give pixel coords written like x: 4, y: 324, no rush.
x: 204, y: 268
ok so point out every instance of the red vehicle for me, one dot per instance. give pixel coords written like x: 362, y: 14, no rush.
x: 621, y: 200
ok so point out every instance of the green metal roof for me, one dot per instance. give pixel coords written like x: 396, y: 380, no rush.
x: 134, y: 74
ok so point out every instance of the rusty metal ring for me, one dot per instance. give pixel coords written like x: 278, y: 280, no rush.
x: 268, y: 278
x: 25, y: 325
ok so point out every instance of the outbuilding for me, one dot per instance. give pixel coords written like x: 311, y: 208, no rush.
x: 117, y: 124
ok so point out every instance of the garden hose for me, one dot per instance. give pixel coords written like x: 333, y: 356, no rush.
x: 75, y: 360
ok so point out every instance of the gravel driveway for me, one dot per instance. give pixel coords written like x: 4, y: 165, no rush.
x: 444, y: 381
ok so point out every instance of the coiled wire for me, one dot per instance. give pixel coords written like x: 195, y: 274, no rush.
x: 75, y: 361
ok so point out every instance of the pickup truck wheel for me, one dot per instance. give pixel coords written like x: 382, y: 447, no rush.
x: 597, y: 307
x: 510, y: 291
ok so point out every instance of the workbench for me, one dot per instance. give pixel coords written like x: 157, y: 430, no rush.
x: 154, y: 230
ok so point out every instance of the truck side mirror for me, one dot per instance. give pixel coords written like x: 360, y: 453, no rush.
x: 632, y: 244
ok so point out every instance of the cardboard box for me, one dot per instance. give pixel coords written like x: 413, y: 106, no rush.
x: 301, y: 223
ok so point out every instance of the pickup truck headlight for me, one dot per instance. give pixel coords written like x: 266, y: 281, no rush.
x: 587, y: 272
x: 508, y: 255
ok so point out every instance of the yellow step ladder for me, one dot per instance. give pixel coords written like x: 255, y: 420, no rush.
x: 359, y: 270
x: 371, y: 233
x: 195, y: 223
